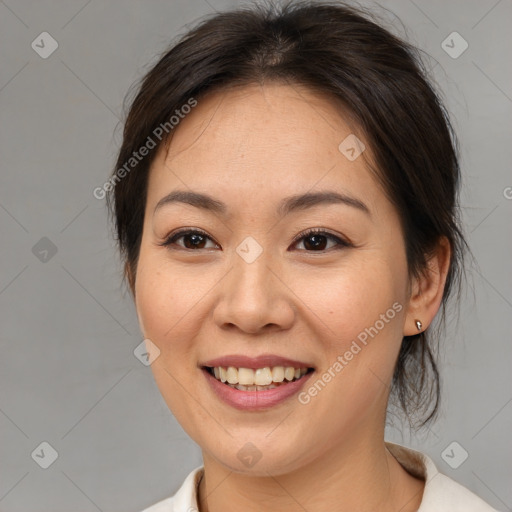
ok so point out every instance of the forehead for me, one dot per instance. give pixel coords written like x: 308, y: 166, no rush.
x: 276, y: 116
x: 263, y: 141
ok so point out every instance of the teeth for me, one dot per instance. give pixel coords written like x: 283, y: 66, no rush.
x: 289, y: 373
x: 246, y: 376
x: 232, y: 375
x: 263, y: 376
x: 247, y: 379
x: 278, y: 374
x: 251, y: 388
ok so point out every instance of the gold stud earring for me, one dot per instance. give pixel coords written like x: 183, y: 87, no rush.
x: 419, y: 325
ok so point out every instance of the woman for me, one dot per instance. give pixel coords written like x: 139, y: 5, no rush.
x: 285, y: 202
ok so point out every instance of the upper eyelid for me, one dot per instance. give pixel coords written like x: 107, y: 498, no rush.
x: 319, y: 231
x: 308, y: 232
x: 186, y: 231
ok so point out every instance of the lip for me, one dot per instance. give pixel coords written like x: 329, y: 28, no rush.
x: 241, y: 361
x: 255, y: 400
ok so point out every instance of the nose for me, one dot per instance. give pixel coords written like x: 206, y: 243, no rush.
x: 254, y: 297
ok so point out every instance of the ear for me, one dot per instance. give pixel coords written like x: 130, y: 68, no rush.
x: 427, y: 289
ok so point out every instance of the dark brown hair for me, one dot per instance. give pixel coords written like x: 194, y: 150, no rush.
x: 341, y: 53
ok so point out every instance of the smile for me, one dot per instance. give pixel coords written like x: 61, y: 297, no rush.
x: 259, y: 379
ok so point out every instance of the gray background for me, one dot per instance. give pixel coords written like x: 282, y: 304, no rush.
x: 68, y: 330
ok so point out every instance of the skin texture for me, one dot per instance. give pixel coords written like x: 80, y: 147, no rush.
x: 251, y: 147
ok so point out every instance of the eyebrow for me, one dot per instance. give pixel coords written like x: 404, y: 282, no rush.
x: 288, y: 205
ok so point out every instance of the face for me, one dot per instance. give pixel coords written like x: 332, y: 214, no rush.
x: 239, y: 280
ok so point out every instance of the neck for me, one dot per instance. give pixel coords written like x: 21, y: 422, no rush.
x: 357, y: 475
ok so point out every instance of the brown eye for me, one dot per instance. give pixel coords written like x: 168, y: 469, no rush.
x: 313, y: 240
x: 192, y: 239
x: 317, y: 241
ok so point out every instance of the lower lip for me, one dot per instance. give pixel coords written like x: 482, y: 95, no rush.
x: 255, y: 400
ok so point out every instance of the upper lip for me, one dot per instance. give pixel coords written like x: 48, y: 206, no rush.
x: 262, y: 361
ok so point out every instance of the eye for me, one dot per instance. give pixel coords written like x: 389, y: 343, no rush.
x: 313, y: 240
x: 192, y: 239
x: 317, y: 240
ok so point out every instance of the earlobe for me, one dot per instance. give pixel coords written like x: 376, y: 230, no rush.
x: 428, y: 289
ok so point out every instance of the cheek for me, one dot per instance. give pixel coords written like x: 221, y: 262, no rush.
x: 346, y: 300
x: 357, y: 317
x: 166, y: 297
x: 168, y: 302
x: 357, y: 312
x: 165, y: 302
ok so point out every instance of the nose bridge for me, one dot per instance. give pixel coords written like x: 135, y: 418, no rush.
x: 252, y: 297
x: 251, y: 276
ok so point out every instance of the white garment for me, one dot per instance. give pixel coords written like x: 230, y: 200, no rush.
x: 441, y: 494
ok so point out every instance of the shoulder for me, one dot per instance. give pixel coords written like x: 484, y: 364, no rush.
x: 442, y: 493
x: 184, y: 500
x: 445, y: 494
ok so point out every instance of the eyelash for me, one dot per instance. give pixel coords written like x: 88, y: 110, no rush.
x: 169, y: 241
